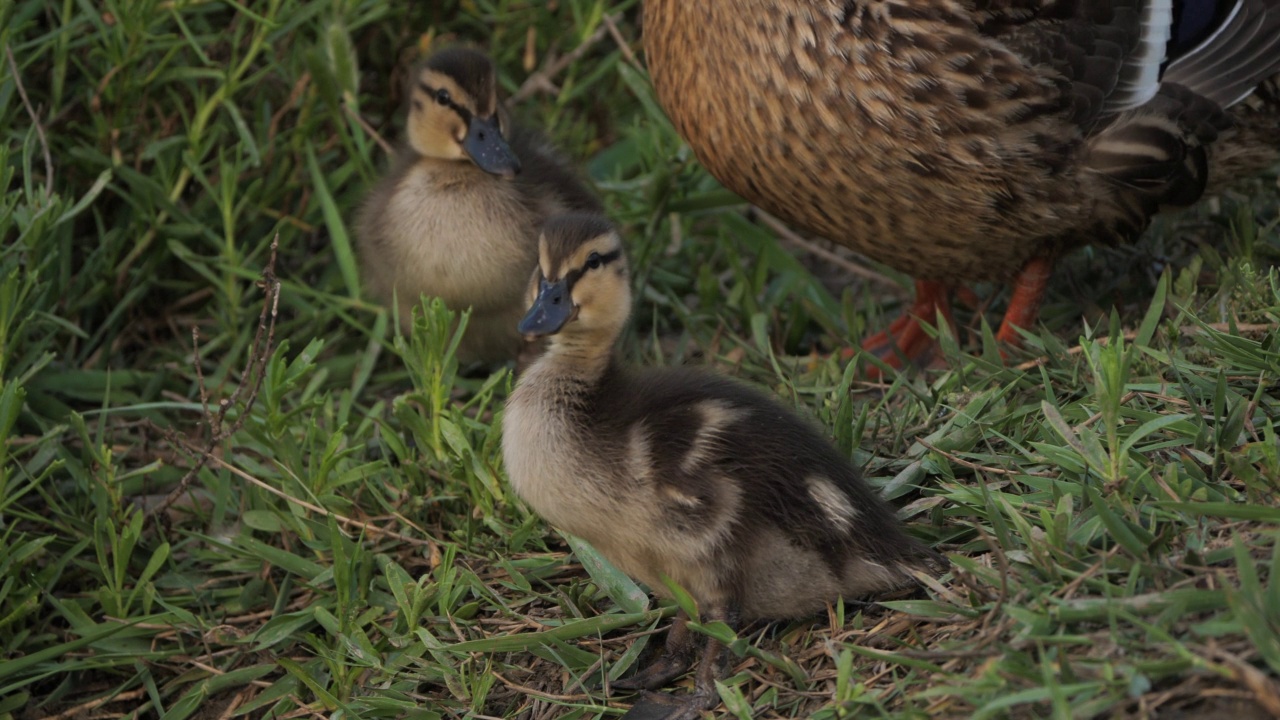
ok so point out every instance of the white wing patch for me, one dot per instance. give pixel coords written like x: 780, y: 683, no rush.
x: 715, y: 416
x: 679, y: 497
x: 835, y: 504
x: 1140, y: 75
x: 639, y: 454
x: 1228, y: 65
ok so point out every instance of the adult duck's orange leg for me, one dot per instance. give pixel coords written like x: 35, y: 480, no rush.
x: 905, y: 340
x: 1024, y: 305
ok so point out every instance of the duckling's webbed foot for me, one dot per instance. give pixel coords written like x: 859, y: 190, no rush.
x: 676, y: 657
x: 661, y: 706
x: 658, y: 706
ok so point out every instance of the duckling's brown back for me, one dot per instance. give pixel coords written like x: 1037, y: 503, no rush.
x: 548, y: 179
x: 804, y: 527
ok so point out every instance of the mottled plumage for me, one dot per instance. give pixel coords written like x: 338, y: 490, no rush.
x: 683, y: 473
x: 458, y: 214
x: 959, y: 140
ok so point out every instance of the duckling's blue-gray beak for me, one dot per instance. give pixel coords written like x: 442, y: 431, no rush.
x: 553, y: 308
x: 488, y: 149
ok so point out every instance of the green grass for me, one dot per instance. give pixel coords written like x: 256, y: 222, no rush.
x: 350, y: 548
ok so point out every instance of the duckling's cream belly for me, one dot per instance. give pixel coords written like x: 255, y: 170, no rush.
x: 463, y: 236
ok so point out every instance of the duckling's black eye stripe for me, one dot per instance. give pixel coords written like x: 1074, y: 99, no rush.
x: 572, y: 276
x: 609, y: 257
x: 465, y: 113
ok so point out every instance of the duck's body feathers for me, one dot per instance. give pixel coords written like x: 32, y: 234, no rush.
x: 1031, y: 126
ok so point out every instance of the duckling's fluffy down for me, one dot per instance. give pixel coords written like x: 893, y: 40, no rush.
x: 702, y: 479
x: 448, y: 229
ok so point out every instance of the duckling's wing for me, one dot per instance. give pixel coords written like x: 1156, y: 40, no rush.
x: 797, y: 480
x: 547, y: 177
x: 721, y: 447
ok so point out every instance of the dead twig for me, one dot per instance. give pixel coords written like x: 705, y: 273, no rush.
x: 535, y: 693
x: 975, y: 466
x: 790, y: 236
x: 216, y: 427
x: 541, y: 80
x: 1128, y: 336
x: 94, y: 704
x: 623, y: 46
x: 364, y: 124
x: 35, y: 120
x: 1242, y: 328
x: 1265, y: 691
x: 230, y: 710
x: 369, y: 527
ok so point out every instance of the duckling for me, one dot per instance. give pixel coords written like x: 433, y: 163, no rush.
x: 458, y: 215
x: 680, y: 473
x: 964, y: 141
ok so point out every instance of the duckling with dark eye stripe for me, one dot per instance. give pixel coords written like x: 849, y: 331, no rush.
x: 458, y: 215
x: 681, y: 473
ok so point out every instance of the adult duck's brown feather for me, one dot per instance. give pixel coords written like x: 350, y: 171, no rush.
x: 970, y: 140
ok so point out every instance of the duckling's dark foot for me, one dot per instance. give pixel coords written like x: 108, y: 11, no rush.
x: 1024, y: 305
x: 676, y: 657
x: 660, y: 706
x: 906, y: 342
x: 704, y: 696
x: 654, y: 675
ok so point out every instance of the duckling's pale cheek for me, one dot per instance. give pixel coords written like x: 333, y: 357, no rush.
x: 433, y: 132
x: 583, y: 303
x: 452, y: 138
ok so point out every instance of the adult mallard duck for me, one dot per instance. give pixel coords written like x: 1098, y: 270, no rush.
x: 457, y: 216
x: 683, y: 474
x: 970, y: 140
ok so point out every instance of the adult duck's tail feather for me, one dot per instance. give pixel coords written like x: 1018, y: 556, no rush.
x: 1184, y: 140
x: 1233, y: 58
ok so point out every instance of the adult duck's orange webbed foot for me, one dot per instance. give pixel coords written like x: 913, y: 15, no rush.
x: 905, y: 341
x: 1024, y: 304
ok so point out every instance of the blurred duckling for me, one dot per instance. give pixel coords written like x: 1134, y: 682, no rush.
x: 458, y: 215
x: 683, y: 474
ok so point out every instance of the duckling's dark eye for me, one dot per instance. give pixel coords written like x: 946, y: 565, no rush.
x: 442, y: 96
x: 593, y: 261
